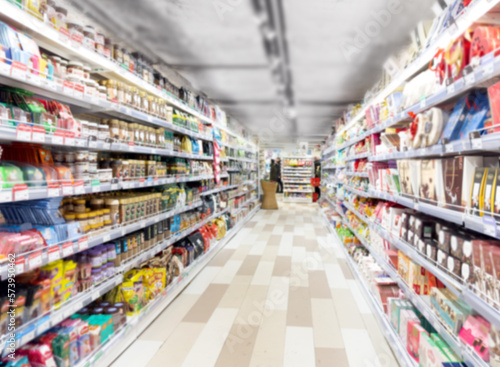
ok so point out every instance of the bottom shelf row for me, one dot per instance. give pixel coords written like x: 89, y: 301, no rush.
x: 426, y: 328
x: 94, y: 331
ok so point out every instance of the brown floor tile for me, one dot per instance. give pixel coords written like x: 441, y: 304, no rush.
x: 206, y: 304
x: 270, y: 253
x: 268, y: 228
x: 299, y: 240
x: 250, y: 224
x: 282, y: 266
x: 238, y: 348
x: 236, y: 292
x: 321, y: 231
x: 318, y: 285
x: 307, y: 219
x: 311, y: 244
x: 222, y: 257
x: 299, y: 307
x: 274, y: 240
x: 288, y: 228
x: 249, y: 265
x: 330, y: 357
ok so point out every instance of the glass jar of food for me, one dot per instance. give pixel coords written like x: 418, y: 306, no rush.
x: 69, y: 217
x: 83, y: 219
x: 105, y: 174
x: 82, y: 156
x: 144, y: 102
x: 90, y: 88
x: 125, y: 170
x: 127, y: 94
x: 93, y: 129
x: 58, y: 156
x: 89, y: 36
x: 103, y: 132
x: 113, y: 205
x: 106, y: 216
x: 97, y: 203
x: 115, y: 129
x: 124, y: 131
x: 136, y: 98
x: 86, y: 72
x: 120, y: 95
x: 75, y: 69
x: 116, y: 167
x: 103, y: 92
x: 61, y: 17
x: 118, y: 54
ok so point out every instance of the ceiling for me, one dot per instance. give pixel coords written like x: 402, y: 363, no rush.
x: 285, y: 69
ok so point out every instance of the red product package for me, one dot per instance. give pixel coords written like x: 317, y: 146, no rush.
x: 494, y: 96
x: 475, y: 333
x: 415, y: 331
x: 485, y: 39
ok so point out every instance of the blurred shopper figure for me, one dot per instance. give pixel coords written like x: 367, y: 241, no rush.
x: 274, y: 171
x: 280, y: 183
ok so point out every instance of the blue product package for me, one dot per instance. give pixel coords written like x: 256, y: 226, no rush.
x: 73, y: 230
x: 454, y: 125
x: 195, y: 146
x: 49, y: 234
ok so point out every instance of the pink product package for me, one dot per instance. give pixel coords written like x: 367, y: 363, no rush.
x: 40, y: 355
x: 18, y: 243
x: 475, y: 333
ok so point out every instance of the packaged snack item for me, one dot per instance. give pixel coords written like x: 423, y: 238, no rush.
x: 476, y: 334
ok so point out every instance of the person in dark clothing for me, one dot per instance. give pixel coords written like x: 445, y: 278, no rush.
x: 274, y: 171
x: 280, y: 183
x: 317, y: 174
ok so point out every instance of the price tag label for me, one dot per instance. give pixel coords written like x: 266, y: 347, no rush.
x: 67, y: 249
x: 20, y: 192
x: 35, y: 260
x: 79, y: 90
x: 23, y: 132
x: 79, y: 188
x: 95, y: 296
x: 79, y: 142
x: 469, y: 75
x: 63, y: 34
x: 58, y: 137
x: 56, y: 318
x: 106, y: 238
x: 69, y: 141
x: 38, y: 134
x: 4, y: 68
x: 131, y: 148
x: 53, y: 254
x: 96, y: 185
x: 67, y: 189
x: 68, y: 88
x: 490, y: 226
x: 5, y: 195
x: 477, y: 144
x: 83, y: 244
x: 449, y: 148
x: 92, y: 144
x: 53, y: 190
x: 143, y: 224
x: 43, y: 325
x: 28, y: 335
x: 114, y: 187
x: 20, y: 265
x: 18, y: 70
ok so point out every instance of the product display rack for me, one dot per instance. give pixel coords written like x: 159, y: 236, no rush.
x: 296, y: 174
x: 390, y: 334
x: 80, y: 102
x: 118, y: 343
x: 358, y: 129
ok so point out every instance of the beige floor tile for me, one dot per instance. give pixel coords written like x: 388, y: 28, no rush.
x: 288, y: 228
x: 222, y: 257
x: 264, y: 236
x: 335, y: 276
x: 138, y: 354
x: 384, y: 352
x: 356, y: 355
x: 299, y: 307
x: 202, y: 281
x: 208, y: 346
x: 241, y: 253
x: 298, y: 254
x: 346, y: 270
x: 268, y: 228
x: 274, y: 240
x: 299, y: 241
x: 270, y: 343
x: 330, y: 357
x: 347, y: 311
x: 299, y: 347
x: 228, y: 272
x: 250, y: 224
x: 253, y: 308
x: 270, y: 253
x: 282, y: 266
x: 258, y: 248
x: 206, y: 304
x: 249, y: 265
x: 318, y: 285
x: 169, y: 319
x: 277, y: 296
x: 326, y: 324
x: 263, y: 273
x: 235, y: 294
x: 176, y: 349
x: 238, y: 348
x: 299, y: 276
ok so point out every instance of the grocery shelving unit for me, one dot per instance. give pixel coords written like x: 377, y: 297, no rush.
x: 296, y: 174
x: 484, y: 73
x: 243, y: 156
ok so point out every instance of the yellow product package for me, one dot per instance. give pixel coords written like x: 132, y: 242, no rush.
x: 133, y: 294
x: 68, y: 283
x: 54, y: 272
x: 148, y: 281
x: 160, y: 278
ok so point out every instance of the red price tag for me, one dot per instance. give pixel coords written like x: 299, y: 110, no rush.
x: 63, y: 34
x: 67, y: 249
x: 35, y: 260
x: 79, y: 188
x: 20, y: 192
x: 20, y: 265
x: 58, y: 137
x: 68, y: 88
x: 67, y: 189
x: 53, y: 190
x: 76, y: 39
x: 69, y: 139
x: 38, y: 135
x: 54, y: 254
x: 79, y: 89
x: 83, y: 243
x: 18, y: 70
x: 23, y: 132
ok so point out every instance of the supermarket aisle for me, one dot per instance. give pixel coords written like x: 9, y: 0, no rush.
x: 274, y: 296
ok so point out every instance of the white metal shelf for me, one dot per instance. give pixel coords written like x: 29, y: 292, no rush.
x: 80, y: 188
x: 357, y: 174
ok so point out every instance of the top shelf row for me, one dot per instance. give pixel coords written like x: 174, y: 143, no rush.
x: 455, y: 28
x: 64, y: 42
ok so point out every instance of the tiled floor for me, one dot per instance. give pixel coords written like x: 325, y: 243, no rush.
x: 279, y: 294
